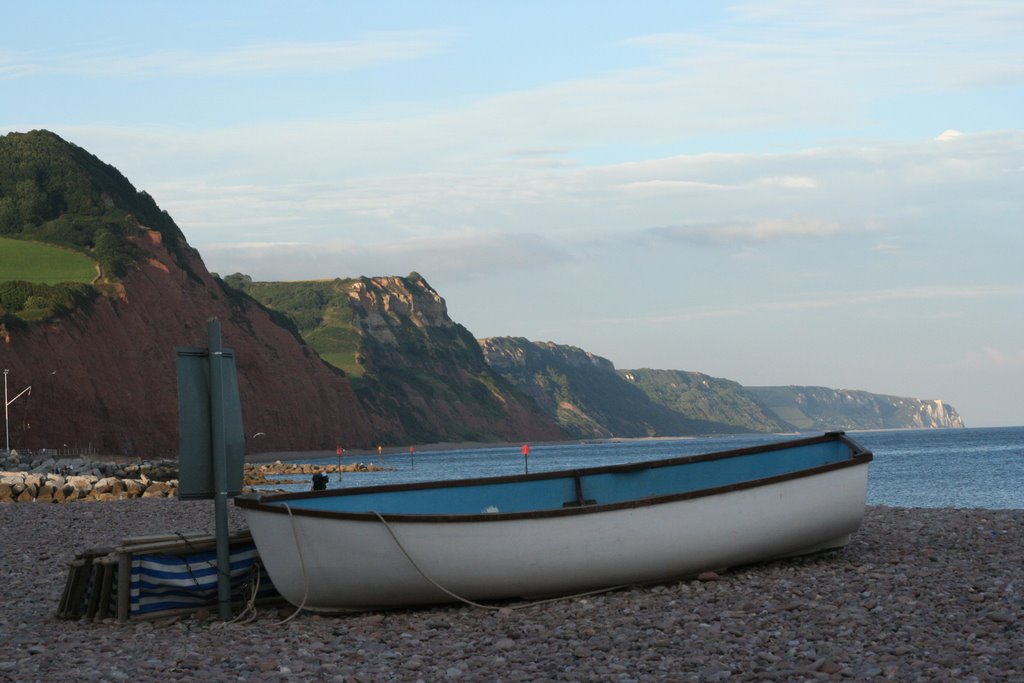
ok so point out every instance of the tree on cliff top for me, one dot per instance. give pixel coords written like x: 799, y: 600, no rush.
x: 54, y: 191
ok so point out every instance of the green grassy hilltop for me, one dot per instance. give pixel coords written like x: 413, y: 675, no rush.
x: 54, y: 192
x: 43, y: 263
x: 67, y: 221
x: 319, y: 310
x: 39, y: 281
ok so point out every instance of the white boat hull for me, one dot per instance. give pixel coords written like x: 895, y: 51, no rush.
x: 326, y: 563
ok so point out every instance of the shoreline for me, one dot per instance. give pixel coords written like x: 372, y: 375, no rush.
x: 263, y: 457
x: 303, y: 456
x: 918, y: 594
x: 389, y: 451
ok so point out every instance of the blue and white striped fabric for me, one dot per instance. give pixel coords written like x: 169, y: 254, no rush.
x: 168, y: 582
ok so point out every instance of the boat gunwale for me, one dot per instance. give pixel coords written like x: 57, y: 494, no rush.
x: 272, y: 502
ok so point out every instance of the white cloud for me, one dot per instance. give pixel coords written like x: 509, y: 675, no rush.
x: 11, y: 67
x: 753, y: 231
x: 916, y: 294
x: 389, y: 181
x: 537, y: 151
x: 450, y: 256
x: 949, y: 134
x: 992, y: 358
x: 845, y: 301
x: 844, y: 53
x: 659, y: 186
x: 887, y: 246
x: 791, y: 182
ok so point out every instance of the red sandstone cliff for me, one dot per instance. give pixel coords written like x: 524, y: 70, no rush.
x: 105, y: 377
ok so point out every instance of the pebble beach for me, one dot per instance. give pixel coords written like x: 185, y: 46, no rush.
x: 917, y: 595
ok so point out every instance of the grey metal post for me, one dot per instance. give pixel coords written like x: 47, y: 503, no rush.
x: 220, y: 470
x: 7, y: 424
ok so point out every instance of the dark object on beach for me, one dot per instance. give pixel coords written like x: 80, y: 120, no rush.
x: 319, y: 481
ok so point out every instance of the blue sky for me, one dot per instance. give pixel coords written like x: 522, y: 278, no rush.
x: 778, y: 192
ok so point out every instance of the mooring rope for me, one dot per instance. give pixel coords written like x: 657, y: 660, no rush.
x: 480, y: 605
x: 249, y: 609
x: 302, y: 565
x: 423, y: 573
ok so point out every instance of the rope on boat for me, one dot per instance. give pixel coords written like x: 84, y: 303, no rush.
x: 250, y: 604
x: 248, y: 613
x: 472, y: 603
x: 302, y: 565
x: 416, y: 566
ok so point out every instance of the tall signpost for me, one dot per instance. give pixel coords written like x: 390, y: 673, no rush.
x: 211, y: 452
x: 7, y: 404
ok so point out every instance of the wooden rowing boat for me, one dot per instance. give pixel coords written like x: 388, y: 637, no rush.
x: 558, y: 533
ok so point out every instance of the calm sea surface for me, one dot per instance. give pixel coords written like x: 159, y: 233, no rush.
x: 966, y: 468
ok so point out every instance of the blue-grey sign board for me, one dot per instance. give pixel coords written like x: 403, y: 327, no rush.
x: 195, y: 424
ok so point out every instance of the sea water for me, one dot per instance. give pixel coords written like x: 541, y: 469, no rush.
x: 964, y: 468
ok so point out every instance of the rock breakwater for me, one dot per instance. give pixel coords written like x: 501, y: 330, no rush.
x: 59, y: 480
x: 56, y: 480
x: 21, y: 487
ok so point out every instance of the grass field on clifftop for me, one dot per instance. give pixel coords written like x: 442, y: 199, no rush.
x: 44, y: 263
x: 323, y: 314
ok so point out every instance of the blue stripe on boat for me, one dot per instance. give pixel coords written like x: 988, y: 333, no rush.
x: 601, y: 487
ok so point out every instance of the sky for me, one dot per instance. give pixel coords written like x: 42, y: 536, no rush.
x: 778, y: 192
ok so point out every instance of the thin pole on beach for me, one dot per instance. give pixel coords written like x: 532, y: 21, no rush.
x: 7, y: 403
x: 220, y: 470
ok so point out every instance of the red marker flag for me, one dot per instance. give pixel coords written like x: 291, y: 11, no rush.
x: 525, y: 449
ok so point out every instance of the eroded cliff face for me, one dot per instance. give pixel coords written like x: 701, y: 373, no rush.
x: 936, y: 414
x: 590, y: 399
x: 821, y: 408
x: 704, y: 397
x: 426, y: 379
x: 404, y: 322
x: 105, y: 377
x: 586, y: 395
x: 385, y: 304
